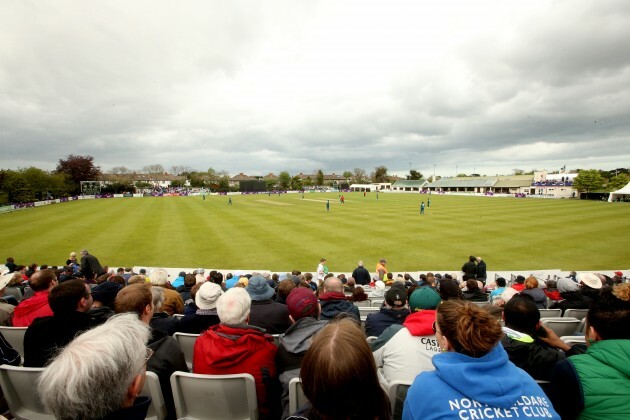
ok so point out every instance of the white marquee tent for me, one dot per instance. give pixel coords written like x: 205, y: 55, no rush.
x: 615, y: 194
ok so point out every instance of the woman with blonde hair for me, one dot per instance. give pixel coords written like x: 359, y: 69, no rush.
x: 473, y: 376
x: 339, y: 376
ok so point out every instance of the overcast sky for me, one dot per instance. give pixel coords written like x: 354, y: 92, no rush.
x: 259, y: 87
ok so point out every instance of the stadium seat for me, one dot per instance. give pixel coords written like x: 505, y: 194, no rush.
x: 18, y: 386
x: 377, y: 303
x: 152, y: 388
x: 16, y: 292
x: 15, y: 337
x: 276, y: 339
x: 296, y: 395
x: 397, y: 393
x: 562, y: 326
x: 363, y: 303
x: 550, y: 313
x: 573, y: 339
x: 214, y: 396
x: 180, y: 316
x: 575, y: 313
x: 187, y: 344
x: 372, y: 338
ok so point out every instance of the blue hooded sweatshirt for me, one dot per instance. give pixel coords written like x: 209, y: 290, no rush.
x: 488, y: 387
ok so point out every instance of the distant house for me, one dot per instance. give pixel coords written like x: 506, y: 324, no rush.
x: 156, y: 180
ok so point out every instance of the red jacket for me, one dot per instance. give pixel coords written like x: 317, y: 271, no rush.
x: 223, y: 350
x: 29, y: 309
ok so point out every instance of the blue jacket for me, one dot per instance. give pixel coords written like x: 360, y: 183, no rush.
x: 487, y: 387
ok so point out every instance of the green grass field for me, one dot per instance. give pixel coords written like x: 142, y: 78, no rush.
x: 286, y: 232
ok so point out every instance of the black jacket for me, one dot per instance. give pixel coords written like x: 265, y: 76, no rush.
x: 162, y: 321
x: 45, y: 335
x: 167, y: 358
x: 572, y: 300
x: 361, y: 275
x: 376, y: 323
x: 481, y: 271
x: 537, y: 358
x: 90, y: 267
x: 470, y: 269
x: 270, y: 315
x: 196, y: 324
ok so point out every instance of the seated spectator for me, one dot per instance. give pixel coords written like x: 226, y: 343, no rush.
x: 6, y: 309
x: 283, y: 290
x: 529, y: 345
x: 344, y: 386
x: 100, y: 374
x: 70, y: 301
x: 500, y: 282
x: 137, y: 278
x: 36, y: 306
x: 304, y: 313
x: 191, y: 306
x: 8, y: 356
x: 394, y: 311
x: 160, y: 319
x: 10, y: 264
x: 233, y: 346
x: 473, y: 374
x: 572, y: 297
x: 473, y: 292
x: 333, y: 301
x: 536, y: 293
x: 117, y: 279
x: 184, y: 290
x: 597, y: 384
x: 179, y: 280
x: 230, y: 281
x: 350, y: 286
x: 378, y: 291
x: 519, y: 284
x: 590, y: 284
x: 167, y: 355
x: 103, y: 297
x: 358, y: 295
x: 206, y: 315
x: 551, y: 290
x: 449, y: 289
x: 173, y: 303
x: 127, y: 274
x: 265, y: 313
x: 410, y: 349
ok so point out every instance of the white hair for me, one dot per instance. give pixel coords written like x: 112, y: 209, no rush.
x: 233, y: 306
x: 159, y: 277
x: 157, y: 293
x: 91, y: 375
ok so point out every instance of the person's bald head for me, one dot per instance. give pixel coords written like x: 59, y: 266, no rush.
x: 333, y: 284
x: 42, y: 280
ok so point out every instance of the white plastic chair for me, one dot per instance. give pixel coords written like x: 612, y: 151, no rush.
x: 575, y: 313
x: 18, y: 386
x: 550, y: 313
x: 364, y: 311
x: 187, y: 344
x: 296, y: 395
x: 152, y: 388
x: 371, y: 339
x: 214, y: 396
x: 15, y: 337
x: 362, y: 304
x: 377, y: 303
x: 573, y: 339
x: 562, y: 326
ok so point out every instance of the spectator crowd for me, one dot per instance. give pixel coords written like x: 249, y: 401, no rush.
x: 466, y: 347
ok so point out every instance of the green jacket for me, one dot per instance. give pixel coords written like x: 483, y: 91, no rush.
x: 594, y: 385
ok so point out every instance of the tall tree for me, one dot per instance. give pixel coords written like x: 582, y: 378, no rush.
x: 319, y: 180
x: 296, y: 183
x: 380, y: 174
x: 588, y: 180
x: 78, y: 168
x: 347, y: 174
x: 180, y: 170
x: 359, y: 176
x: 415, y: 175
x: 284, y: 179
x: 617, y: 182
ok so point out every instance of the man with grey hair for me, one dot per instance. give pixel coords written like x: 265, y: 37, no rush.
x: 361, y: 275
x: 173, y: 302
x: 100, y: 374
x: 233, y: 346
x: 161, y: 320
x: 334, y: 302
x: 91, y: 268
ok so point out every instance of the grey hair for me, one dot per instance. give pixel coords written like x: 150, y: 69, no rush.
x: 90, y: 377
x: 158, y: 297
x: 233, y: 306
x: 159, y: 277
x: 333, y: 284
